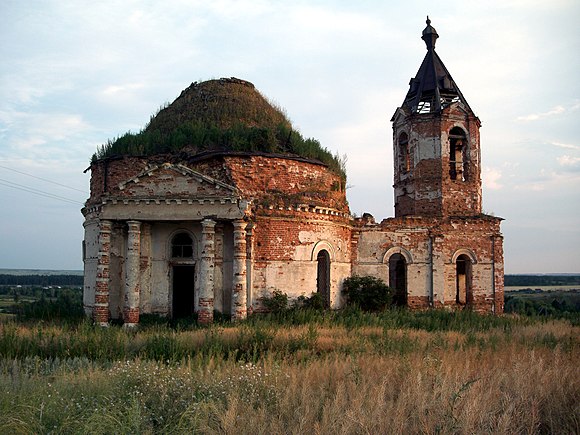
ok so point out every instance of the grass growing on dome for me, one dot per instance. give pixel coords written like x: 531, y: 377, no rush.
x: 220, y: 115
x: 197, y: 136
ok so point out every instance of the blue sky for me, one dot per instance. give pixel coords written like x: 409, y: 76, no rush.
x: 76, y: 73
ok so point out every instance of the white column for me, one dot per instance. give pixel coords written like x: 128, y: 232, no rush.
x: 239, y: 300
x: 249, y: 265
x: 206, y: 271
x: 101, y: 304
x: 132, y: 275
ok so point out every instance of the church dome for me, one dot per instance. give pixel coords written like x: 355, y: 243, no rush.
x: 222, y: 103
x: 219, y: 116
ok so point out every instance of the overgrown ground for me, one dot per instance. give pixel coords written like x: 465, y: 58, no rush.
x: 299, y: 372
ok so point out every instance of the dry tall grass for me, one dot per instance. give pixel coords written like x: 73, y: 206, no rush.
x: 309, y: 380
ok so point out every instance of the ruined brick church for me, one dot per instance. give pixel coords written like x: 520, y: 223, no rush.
x: 190, y: 232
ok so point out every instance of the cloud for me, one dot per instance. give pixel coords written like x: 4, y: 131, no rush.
x: 535, y: 116
x: 568, y: 146
x: 114, y: 90
x: 569, y: 161
x: 41, y: 135
x: 491, y: 177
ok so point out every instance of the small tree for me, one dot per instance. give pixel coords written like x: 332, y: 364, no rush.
x: 367, y: 292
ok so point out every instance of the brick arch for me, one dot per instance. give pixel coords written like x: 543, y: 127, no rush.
x: 319, y: 246
x: 397, y: 250
x: 468, y: 252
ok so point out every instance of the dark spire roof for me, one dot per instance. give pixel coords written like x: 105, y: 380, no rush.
x: 433, y: 88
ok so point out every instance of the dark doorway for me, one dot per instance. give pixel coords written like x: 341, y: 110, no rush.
x: 463, y: 280
x: 183, y: 291
x: 323, y: 277
x: 398, y: 279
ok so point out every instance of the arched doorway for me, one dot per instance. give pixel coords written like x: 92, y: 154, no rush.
x: 183, y: 276
x: 323, y: 276
x: 463, y: 294
x: 398, y: 279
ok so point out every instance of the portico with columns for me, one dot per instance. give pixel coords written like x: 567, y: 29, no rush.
x: 175, y: 257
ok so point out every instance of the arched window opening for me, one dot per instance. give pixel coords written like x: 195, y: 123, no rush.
x: 182, y: 246
x: 398, y: 279
x: 323, y: 276
x: 404, y: 154
x: 457, y: 154
x: 463, y: 280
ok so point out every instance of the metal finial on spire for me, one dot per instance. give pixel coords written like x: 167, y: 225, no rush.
x: 429, y: 35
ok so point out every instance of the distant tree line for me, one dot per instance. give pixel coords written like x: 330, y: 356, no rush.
x: 41, y: 280
x: 541, y: 280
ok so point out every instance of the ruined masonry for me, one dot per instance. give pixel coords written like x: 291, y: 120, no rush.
x: 199, y: 232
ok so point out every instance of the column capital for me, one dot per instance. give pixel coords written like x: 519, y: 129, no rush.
x: 105, y: 226
x: 208, y: 224
x: 240, y: 225
x: 134, y: 225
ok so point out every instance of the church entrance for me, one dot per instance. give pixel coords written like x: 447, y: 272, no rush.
x: 183, y: 291
x: 323, y: 277
x: 398, y: 279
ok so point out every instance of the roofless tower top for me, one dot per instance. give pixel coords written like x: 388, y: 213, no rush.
x: 433, y: 88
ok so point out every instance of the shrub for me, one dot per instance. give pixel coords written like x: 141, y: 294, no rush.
x: 314, y: 302
x: 277, y: 302
x: 367, y: 292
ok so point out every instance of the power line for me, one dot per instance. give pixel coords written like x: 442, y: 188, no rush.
x: 43, y: 179
x: 37, y: 192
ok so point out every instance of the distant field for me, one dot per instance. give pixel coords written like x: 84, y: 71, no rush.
x: 20, y: 272
x: 547, y: 288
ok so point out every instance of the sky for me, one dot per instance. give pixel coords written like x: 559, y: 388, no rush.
x: 74, y: 74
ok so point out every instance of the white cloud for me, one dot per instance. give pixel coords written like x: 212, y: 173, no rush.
x: 491, y: 177
x: 568, y: 146
x: 569, y: 161
x: 535, y: 116
x: 41, y: 135
x: 114, y: 90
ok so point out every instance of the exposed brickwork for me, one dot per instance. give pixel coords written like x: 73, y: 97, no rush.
x: 428, y: 189
x: 418, y: 302
x: 205, y: 313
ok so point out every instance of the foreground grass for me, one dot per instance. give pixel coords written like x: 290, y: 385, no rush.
x: 464, y: 374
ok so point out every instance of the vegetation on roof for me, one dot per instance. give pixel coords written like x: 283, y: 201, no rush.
x: 220, y: 115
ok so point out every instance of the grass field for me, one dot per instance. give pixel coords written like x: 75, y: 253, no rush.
x: 394, y: 372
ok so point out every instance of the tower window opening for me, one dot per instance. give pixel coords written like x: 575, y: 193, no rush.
x: 404, y: 153
x: 457, y: 154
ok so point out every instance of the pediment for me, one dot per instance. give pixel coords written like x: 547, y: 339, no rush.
x: 170, y: 180
x: 399, y: 116
x: 457, y: 108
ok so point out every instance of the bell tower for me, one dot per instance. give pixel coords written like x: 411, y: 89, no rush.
x: 437, y: 162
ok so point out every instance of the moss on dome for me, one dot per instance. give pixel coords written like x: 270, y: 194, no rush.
x: 219, y: 115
